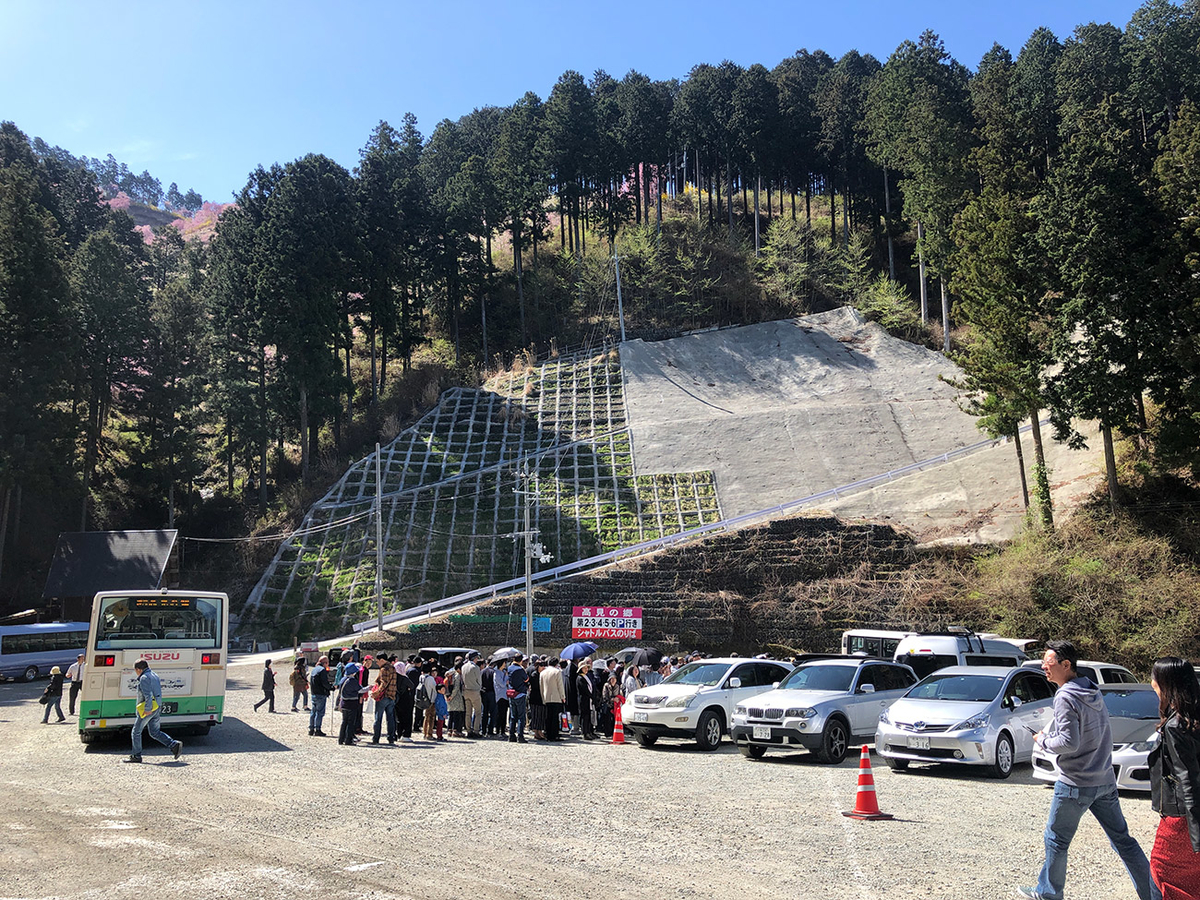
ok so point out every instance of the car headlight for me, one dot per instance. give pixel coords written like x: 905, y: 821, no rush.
x: 679, y: 702
x: 1145, y: 746
x: 884, y: 719
x: 806, y: 712
x: 979, y: 721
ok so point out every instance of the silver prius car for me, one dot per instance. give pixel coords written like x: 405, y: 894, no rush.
x: 1133, y: 720
x: 973, y: 715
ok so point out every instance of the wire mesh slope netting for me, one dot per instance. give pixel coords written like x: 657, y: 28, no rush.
x: 450, y: 504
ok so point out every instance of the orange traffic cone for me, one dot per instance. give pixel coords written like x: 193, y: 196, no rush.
x: 618, y: 728
x: 865, y: 804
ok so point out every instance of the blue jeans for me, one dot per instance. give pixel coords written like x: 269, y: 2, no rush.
x: 54, y: 703
x: 317, y: 715
x: 150, y: 723
x: 386, y: 706
x: 1066, y: 809
x: 516, y: 716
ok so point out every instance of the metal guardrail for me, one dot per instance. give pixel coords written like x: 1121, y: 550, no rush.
x: 458, y: 601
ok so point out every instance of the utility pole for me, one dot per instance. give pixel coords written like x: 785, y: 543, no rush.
x: 379, y: 534
x: 531, y: 550
x: 620, y: 306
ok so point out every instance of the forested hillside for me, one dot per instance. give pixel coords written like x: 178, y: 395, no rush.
x: 1042, y: 209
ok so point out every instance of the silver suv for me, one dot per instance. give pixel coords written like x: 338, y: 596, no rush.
x: 823, y: 706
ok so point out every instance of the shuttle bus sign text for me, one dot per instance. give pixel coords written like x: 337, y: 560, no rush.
x: 606, y: 622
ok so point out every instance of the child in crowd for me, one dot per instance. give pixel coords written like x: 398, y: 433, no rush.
x: 442, y: 709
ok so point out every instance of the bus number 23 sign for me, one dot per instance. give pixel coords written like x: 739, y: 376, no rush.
x: 617, y: 622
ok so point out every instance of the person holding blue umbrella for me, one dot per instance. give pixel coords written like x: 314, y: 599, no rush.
x: 578, y: 650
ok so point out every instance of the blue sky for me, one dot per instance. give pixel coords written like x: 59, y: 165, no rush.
x: 201, y: 93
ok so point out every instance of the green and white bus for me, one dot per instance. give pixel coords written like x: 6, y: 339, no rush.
x: 184, y: 635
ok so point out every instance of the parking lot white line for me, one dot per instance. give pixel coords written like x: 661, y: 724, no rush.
x: 849, y: 829
x: 362, y: 866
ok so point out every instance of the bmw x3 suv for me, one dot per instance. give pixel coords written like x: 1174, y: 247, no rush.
x: 823, y: 706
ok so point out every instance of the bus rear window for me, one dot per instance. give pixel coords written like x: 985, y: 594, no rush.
x: 927, y: 663
x: 158, y: 620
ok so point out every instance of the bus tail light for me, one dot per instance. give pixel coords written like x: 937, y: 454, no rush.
x: 210, y: 659
x: 101, y: 661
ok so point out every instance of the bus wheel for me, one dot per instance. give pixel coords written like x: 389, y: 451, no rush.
x: 88, y: 737
x: 31, y: 673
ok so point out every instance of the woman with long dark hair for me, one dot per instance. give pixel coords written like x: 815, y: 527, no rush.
x: 1175, y: 780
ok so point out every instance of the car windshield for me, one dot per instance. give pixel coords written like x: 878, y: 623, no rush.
x: 706, y: 674
x: 820, y: 678
x: 967, y: 688
x: 1132, y: 704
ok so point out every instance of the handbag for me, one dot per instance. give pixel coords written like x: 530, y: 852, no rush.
x: 45, y: 698
x: 512, y: 692
x: 376, y: 692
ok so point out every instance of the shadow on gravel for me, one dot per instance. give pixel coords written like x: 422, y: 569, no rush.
x: 725, y: 749
x: 19, y: 693
x: 803, y: 758
x: 231, y: 736
x: 1022, y: 775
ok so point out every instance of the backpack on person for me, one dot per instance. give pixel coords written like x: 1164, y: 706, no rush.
x: 421, y: 699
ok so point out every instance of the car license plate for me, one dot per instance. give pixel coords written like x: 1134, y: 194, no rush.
x: 640, y: 717
x: 762, y: 732
x: 918, y: 743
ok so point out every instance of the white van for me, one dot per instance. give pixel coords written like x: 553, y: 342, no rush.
x: 930, y: 651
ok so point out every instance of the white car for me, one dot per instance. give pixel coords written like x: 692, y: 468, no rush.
x: 973, y: 715
x: 823, y: 706
x: 697, y: 700
x: 1133, y: 718
x: 1098, y: 672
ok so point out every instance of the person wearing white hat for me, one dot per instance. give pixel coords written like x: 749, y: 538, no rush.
x: 53, y: 696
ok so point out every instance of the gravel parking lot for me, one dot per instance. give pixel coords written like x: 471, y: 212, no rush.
x: 260, y: 809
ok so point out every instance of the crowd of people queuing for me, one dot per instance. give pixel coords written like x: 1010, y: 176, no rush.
x: 542, y: 697
x: 546, y: 697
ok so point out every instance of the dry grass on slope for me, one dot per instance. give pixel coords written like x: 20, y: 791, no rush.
x: 1113, y: 584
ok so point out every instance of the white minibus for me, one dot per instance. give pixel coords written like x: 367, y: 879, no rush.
x: 184, y: 635
x: 875, y: 642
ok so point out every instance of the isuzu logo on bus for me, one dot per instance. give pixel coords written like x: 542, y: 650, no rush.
x: 160, y: 655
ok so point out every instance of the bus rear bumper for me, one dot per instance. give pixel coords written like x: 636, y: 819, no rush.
x: 127, y: 722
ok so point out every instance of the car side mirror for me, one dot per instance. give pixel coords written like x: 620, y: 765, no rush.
x: 1017, y: 702
x: 774, y: 684
x: 866, y: 688
x: 735, y: 682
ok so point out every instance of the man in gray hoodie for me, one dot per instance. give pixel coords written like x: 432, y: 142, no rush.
x: 1080, y: 737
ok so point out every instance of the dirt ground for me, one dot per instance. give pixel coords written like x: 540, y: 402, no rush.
x: 259, y: 809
